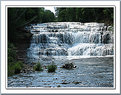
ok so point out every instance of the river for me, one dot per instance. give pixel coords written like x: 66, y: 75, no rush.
x: 90, y: 46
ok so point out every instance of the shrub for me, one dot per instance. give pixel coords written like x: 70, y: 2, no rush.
x: 38, y: 67
x: 18, y: 67
x: 51, y: 68
x: 14, y: 68
x: 11, y: 69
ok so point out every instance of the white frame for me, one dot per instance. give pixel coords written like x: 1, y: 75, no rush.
x: 62, y: 4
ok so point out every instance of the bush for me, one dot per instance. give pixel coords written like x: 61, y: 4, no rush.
x: 11, y: 69
x: 14, y: 68
x: 18, y: 67
x: 38, y: 67
x: 51, y: 68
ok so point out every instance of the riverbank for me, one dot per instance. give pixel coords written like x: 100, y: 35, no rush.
x: 17, y: 52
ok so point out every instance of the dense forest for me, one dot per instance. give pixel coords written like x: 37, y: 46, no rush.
x: 18, y: 18
x: 104, y: 15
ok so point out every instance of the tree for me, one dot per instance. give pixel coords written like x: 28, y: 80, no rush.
x: 104, y: 15
x: 20, y: 17
x: 48, y: 16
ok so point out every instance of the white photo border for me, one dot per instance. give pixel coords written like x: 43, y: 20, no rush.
x: 6, y: 4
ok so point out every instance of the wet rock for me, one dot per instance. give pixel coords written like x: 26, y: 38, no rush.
x: 106, y: 38
x: 58, y: 86
x: 68, y: 66
x: 64, y: 83
x: 56, y: 30
x: 76, y: 82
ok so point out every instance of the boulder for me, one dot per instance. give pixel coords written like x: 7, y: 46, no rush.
x: 69, y: 66
x: 106, y: 38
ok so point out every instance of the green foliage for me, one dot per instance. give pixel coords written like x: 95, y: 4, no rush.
x: 51, y: 68
x: 20, y: 17
x: 18, y: 67
x: 14, y: 66
x: 10, y: 69
x: 38, y: 67
x: 104, y: 15
x: 48, y: 16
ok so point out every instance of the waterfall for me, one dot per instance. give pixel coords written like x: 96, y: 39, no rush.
x: 71, y: 39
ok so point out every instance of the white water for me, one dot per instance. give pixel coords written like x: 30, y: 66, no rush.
x: 71, y: 39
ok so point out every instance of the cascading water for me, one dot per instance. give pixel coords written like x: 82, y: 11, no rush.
x: 70, y: 39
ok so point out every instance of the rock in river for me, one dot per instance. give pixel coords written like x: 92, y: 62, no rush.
x: 69, y: 66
